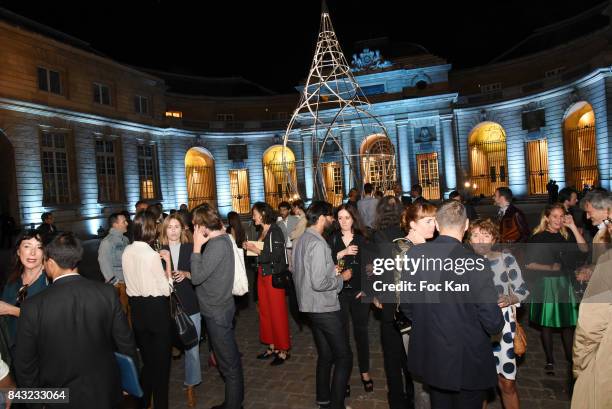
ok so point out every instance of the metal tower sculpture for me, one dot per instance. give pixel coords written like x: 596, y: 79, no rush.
x: 331, y: 107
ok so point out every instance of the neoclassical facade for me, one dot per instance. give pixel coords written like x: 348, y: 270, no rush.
x: 82, y: 135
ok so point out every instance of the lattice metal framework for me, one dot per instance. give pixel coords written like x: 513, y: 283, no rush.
x: 332, y: 109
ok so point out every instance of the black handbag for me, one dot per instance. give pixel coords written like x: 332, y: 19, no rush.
x: 184, y: 325
x: 282, y: 280
x: 401, y: 322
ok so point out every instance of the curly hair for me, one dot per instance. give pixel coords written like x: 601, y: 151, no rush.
x: 485, y: 225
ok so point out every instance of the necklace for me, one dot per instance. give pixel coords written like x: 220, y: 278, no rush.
x: 33, y: 279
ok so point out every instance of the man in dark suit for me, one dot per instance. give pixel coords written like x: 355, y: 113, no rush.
x: 450, y: 346
x: 68, y: 333
x: 513, y: 227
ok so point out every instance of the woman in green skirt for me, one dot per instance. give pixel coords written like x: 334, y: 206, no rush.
x: 551, y: 254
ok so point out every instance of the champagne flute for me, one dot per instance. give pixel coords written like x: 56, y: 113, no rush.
x: 342, y: 265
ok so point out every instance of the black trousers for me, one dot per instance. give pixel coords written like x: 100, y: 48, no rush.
x: 153, y: 331
x: 399, y: 382
x: 334, y: 355
x: 358, y: 313
x: 463, y: 399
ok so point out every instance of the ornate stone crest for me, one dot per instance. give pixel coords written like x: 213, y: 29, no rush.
x: 369, y: 60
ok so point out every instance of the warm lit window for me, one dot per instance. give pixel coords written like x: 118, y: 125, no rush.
x: 225, y: 117
x: 174, y: 114
x: 55, y: 168
x: 148, y: 172
x: 49, y: 81
x: 239, y: 189
x: 101, y: 94
x: 109, y: 170
x: 141, y: 104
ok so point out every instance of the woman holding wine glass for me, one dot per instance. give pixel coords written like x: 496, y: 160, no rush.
x: 174, y: 237
x: 347, y: 246
x: 550, y: 252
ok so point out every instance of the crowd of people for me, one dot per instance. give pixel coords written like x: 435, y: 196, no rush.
x: 59, y: 329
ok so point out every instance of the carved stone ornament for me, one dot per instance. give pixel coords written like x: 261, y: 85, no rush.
x: 369, y: 60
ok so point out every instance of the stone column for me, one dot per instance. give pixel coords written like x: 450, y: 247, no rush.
x: 403, y: 140
x: 346, y: 161
x: 448, y: 154
x: 308, y: 166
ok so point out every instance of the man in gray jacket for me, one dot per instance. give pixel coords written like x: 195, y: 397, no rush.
x: 317, y: 285
x: 212, y: 272
x: 367, y: 206
x: 109, y: 256
x: 286, y: 221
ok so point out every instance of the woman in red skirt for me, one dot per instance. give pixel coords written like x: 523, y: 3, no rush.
x: 273, y: 317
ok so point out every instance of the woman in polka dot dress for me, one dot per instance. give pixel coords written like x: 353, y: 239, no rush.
x: 512, y: 290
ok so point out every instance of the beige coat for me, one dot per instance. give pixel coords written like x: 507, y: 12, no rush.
x: 593, y: 341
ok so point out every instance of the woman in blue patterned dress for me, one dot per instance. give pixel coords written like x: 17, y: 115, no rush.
x: 483, y: 234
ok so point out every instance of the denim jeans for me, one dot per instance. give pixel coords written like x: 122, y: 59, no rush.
x: 223, y: 340
x: 193, y: 371
x: 334, y: 350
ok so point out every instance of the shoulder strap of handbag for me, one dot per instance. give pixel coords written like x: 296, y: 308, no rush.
x: 397, y: 242
x: 510, y: 294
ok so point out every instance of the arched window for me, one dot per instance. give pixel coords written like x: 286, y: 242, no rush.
x: 332, y: 179
x: 200, y: 173
x: 488, y: 158
x: 378, y: 163
x: 580, y: 146
x: 280, y: 177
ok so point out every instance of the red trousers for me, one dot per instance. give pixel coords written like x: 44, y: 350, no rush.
x: 273, y: 316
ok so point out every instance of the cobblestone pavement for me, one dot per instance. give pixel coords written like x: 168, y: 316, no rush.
x: 292, y: 385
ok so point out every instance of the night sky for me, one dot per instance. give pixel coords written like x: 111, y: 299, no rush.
x: 272, y: 42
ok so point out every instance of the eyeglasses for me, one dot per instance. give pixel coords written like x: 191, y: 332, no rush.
x: 22, y: 294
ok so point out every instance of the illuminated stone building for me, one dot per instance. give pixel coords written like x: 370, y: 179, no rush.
x: 83, y: 135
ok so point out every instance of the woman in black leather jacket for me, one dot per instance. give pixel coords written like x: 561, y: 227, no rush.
x: 273, y: 316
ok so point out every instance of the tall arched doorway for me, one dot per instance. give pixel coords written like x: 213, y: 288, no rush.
x: 378, y: 163
x: 580, y: 146
x: 9, y: 203
x: 488, y: 158
x: 280, y: 175
x: 332, y: 180
x: 200, y: 173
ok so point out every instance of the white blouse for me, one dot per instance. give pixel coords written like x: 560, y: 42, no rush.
x: 143, y: 271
